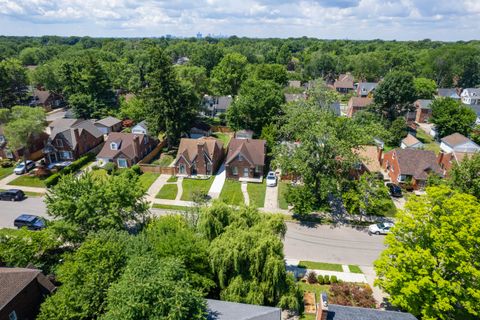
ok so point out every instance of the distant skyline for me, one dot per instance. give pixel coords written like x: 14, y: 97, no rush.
x: 327, y: 19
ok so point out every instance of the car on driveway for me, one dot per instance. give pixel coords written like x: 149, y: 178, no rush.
x: 380, y: 228
x: 12, y: 195
x: 22, y: 168
x: 30, y: 221
x: 394, y: 190
x: 271, y: 179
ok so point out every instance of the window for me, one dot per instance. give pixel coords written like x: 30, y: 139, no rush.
x: 182, y: 169
x: 235, y: 171
x: 122, y: 163
x: 59, y: 142
x: 245, y: 172
x: 113, y: 146
x: 66, y: 155
x: 402, y: 178
x: 240, y: 158
x: 12, y: 315
x: 257, y: 169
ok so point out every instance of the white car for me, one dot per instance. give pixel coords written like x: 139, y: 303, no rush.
x: 271, y: 179
x: 21, y: 168
x: 380, y: 228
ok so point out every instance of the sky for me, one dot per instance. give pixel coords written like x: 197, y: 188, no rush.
x: 447, y: 20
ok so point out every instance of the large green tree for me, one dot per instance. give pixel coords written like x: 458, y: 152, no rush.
x: 425, y: 88
x: 13, y: 82
x: 228, y: 75
x: 465, y: 176
x: 395, y: 95
x: 273, y: 72
x: 450, y: 116
x: 431, y: 265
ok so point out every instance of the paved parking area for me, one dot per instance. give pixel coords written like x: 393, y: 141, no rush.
x: 10, y: 210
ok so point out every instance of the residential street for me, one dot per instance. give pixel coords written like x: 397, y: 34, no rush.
x: 10, y: 210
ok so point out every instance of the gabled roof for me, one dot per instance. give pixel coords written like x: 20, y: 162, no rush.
x: 188, y: 148
x: 224, y: 102
x: 448, y: 93
x: 125, y: 145
x: 64, y: 123
x: 69, y: 132
x: 424, y: 103
x: 41, y: 95
x: 455, y: 139
x: 142, y: 124
x: 472, y: 92
x: 253, y: 150
x: 360, y: 102
x: 417, y: 163
x: 367, y: 86
x: 108, y: 121
x: 369, y: 155
x: 410, y: 140
x: 225, y: 310
x: 338, y: 312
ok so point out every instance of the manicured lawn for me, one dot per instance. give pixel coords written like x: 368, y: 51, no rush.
x: 427, y: 140
x: 225, y: 138
x: 282, y: 193
x: 256, y: 193
x: 320, y: 266
x: 147, y: 179
x: 192, y: 186
x: 4, y: 172
x: 164, y: 161
x: 99, y: 174
x: 172, y: 179
x: 170, y: 207
x: 28, y: 181
x: 316, y: 288
x: 232, y: 193
x: 354, y: 268
x: 168, y: 191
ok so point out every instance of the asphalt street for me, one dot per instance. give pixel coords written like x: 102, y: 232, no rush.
x: 10, y: 210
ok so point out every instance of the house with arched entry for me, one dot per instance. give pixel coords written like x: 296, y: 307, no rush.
x: 201, y: 156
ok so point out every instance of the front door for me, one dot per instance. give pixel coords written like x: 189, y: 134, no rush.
x: 52, y: 157
x: 245, y: 172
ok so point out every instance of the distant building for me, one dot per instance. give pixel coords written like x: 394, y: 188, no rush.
x: 344, y: 83
x: 448, y: 93
x: 108, y: 124
x: 140, y: 128
x: 471, y: 96
x: 423, y: 110
x: 244, y: 134
x: 214, y: 106
x: 356, y: 104
x: 411, y: 142
x: 459, y: 143
x: 365, y: 89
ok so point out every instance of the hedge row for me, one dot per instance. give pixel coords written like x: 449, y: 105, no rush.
x: 72, y: 168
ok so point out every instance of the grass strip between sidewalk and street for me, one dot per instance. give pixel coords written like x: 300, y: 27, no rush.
x: 169, y: 207
x: 354, y: 268
x: 320, y: 266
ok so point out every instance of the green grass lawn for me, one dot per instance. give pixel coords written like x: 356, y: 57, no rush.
x: 28, y: 181
x: 169, y: 207
x: 282, y: 192
x: 225, y: 138
x: 354, y: 268
x: 164, y: 161
x: 191, y: 186
x: 232, y: 193
x: 4, y: 172
x: 428, y: 141
x: 147, y: 178
x: 256, y: 193
x: 316, y: 288
x: 168, y: 191
x: 172, y: 179
x: 99, y: 174
x: 320, y: 266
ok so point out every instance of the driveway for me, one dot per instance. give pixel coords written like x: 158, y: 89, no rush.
x: 271, y: 198
x: 326, y: 243
x: 10, y: 210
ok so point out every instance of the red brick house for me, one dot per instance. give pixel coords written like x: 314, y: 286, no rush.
x: 125, y: 149
x: 46, y: 99
x: 404, y: 165
x: 21, y: 292
x: 356, y: 104
x: 34, y: 152
x: 70, y: 143
x: 423, y: 110
x: 245, y: 159
x: 201, y: 156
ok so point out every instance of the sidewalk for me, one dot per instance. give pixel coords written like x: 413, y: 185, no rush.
x: 218, y: 183
x: 246, y: 198
x: 180, y: 203
x: 156, y: 186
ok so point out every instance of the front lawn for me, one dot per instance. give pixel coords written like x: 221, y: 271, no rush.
x: 192, y: 186
x: 232, y: 193
x: 170, y: 207
x: 225, y: 138
x: 172, y: 179
x: 320, y: 266
x: 28, y: 181
x: 168, y: 191
x: 147, y: 178
x: 282, y: 193
x: 4, y: 172
x: 256, y: 193
x: 354, y: 268
x: 315, y: 288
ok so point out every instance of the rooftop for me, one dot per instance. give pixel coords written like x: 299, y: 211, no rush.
x: 225, y: 310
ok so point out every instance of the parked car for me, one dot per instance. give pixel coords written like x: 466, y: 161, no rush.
x: 395, y: 191
x: 380, y: 228
x: 30, y: 221
x: 21, y: 168
x: 271, y: 179
x: 12, y: 195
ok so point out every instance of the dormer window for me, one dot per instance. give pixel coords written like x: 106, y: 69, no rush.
x: 240, y: 158
x: 113, y: 146
x: 59, y: 142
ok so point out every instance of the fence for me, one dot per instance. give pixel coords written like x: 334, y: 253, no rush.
x: 221, y: 129
x: 153, y: 153
x: 145, y: 166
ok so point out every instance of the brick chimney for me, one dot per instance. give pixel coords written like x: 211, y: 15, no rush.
x: 80, y: 145
x: 322, y: 308
x: 136, y: 146
x: 380, y: 155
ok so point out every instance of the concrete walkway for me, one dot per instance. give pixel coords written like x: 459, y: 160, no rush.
x: 271, y: 198
x: 180, y: 203
x: 246, y: 198
x: 180, y: 188
x: 156, y: 186
x: 218, y: 182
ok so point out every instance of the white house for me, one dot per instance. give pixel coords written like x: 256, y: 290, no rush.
x: 471, y: 96
x: 411, y: 142
x: 458, y: 143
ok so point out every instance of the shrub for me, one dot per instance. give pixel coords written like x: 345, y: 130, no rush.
x: 320, y: 279
x: 95, y: 167
x: 52, y: 180
x: 109, y: 167
x: 136, y: 168
x: 312, y: 277
x: 333, y: 279
x: 6, y: 163
x: 351, y: 294
x: 326, y: 279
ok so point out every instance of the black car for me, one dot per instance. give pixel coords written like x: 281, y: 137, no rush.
x: 30, y: 221
x: 395, y: 191
x: 12, y: 195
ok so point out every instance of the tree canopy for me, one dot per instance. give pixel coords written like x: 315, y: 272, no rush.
x: 395, y: 94
x: 451, y: 116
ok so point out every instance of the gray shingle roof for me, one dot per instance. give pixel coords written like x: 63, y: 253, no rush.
x: 448, y: 92
x: 424, y: 103
x: 417, y: 163
x: 337, y: 312
x: 68, y: 132
x: 224, y: 310
x: 109, y: 121
x: 367, y: 86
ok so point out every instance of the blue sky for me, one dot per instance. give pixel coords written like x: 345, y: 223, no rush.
x: 342, y: 19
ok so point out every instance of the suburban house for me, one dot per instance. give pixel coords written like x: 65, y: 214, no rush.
x: 410, y: 141
x: 411, y: 165
x: 35, y: 147
x: 200, y: 129
x: 471, y: 96
x: 201, y: 156
x: 71, y: 142
x: 447, y: 160
x: 476, y: 109
x: 371, y: 158
x: 448, y: 93
x: 226, y: 310
x: 459, y: 143
x: 46, y: 99
x: 244, y: 134
x: 62, y: 123
x: 21, y: 292
x: 356, y: 104
x: 140, y: 128
x: 344, y: 83
x: 366, y: 89
x: 125, y: 149
x: 423, y: 110
x: 246, y: 159
x: 109, y: 124
x: 214, y: 106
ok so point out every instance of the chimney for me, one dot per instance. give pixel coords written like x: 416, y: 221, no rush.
x: 76, y: 133
x: 199, y: 148
x: 440, y: 157
x: 380, y: 155
x: 136, y: 146
x: 322, y: 308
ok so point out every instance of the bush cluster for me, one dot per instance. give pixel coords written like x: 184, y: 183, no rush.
x: 73, y: 167
x: 326, y: 279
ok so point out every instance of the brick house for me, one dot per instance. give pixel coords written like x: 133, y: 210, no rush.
x: 70, y: 143
x: 404, y: 165
x: 35, y: 147
x: 125, y: 149
x: 356, y: 104
x: 454, y: 149
x: 245, y: 159
x: 46, y: 99
x: 109, y: 124
x: 423, y: 110
x: 344, y: 83
x: 21, y: 292
x: 201, y: 156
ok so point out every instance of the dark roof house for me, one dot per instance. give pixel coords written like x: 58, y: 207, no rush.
x: 366, y: 88
x: 448, y: 93
x: 246, y: 159
x: 199, y: 156
x: 108, y: 124
x: 225, y: 310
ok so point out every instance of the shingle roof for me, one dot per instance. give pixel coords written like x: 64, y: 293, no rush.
x: 455, y: 139
x: 360, y: 102
x: 125, y: 145
x: 252, y: 149
x: 417, y: 163
x: 188, y: 148
x: 410, y: 140
x: 424, y: 103
x: 109, y: 121
x: 448, y: 92
x: 225, y: 310
x: 224, y: 102
x: 343, y: 84
x: 41, y: 95
x: 337, y: 312
x: 369, y: 157
x: 69, y: 134
x: 367, y: 86
x: 473, y: 91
